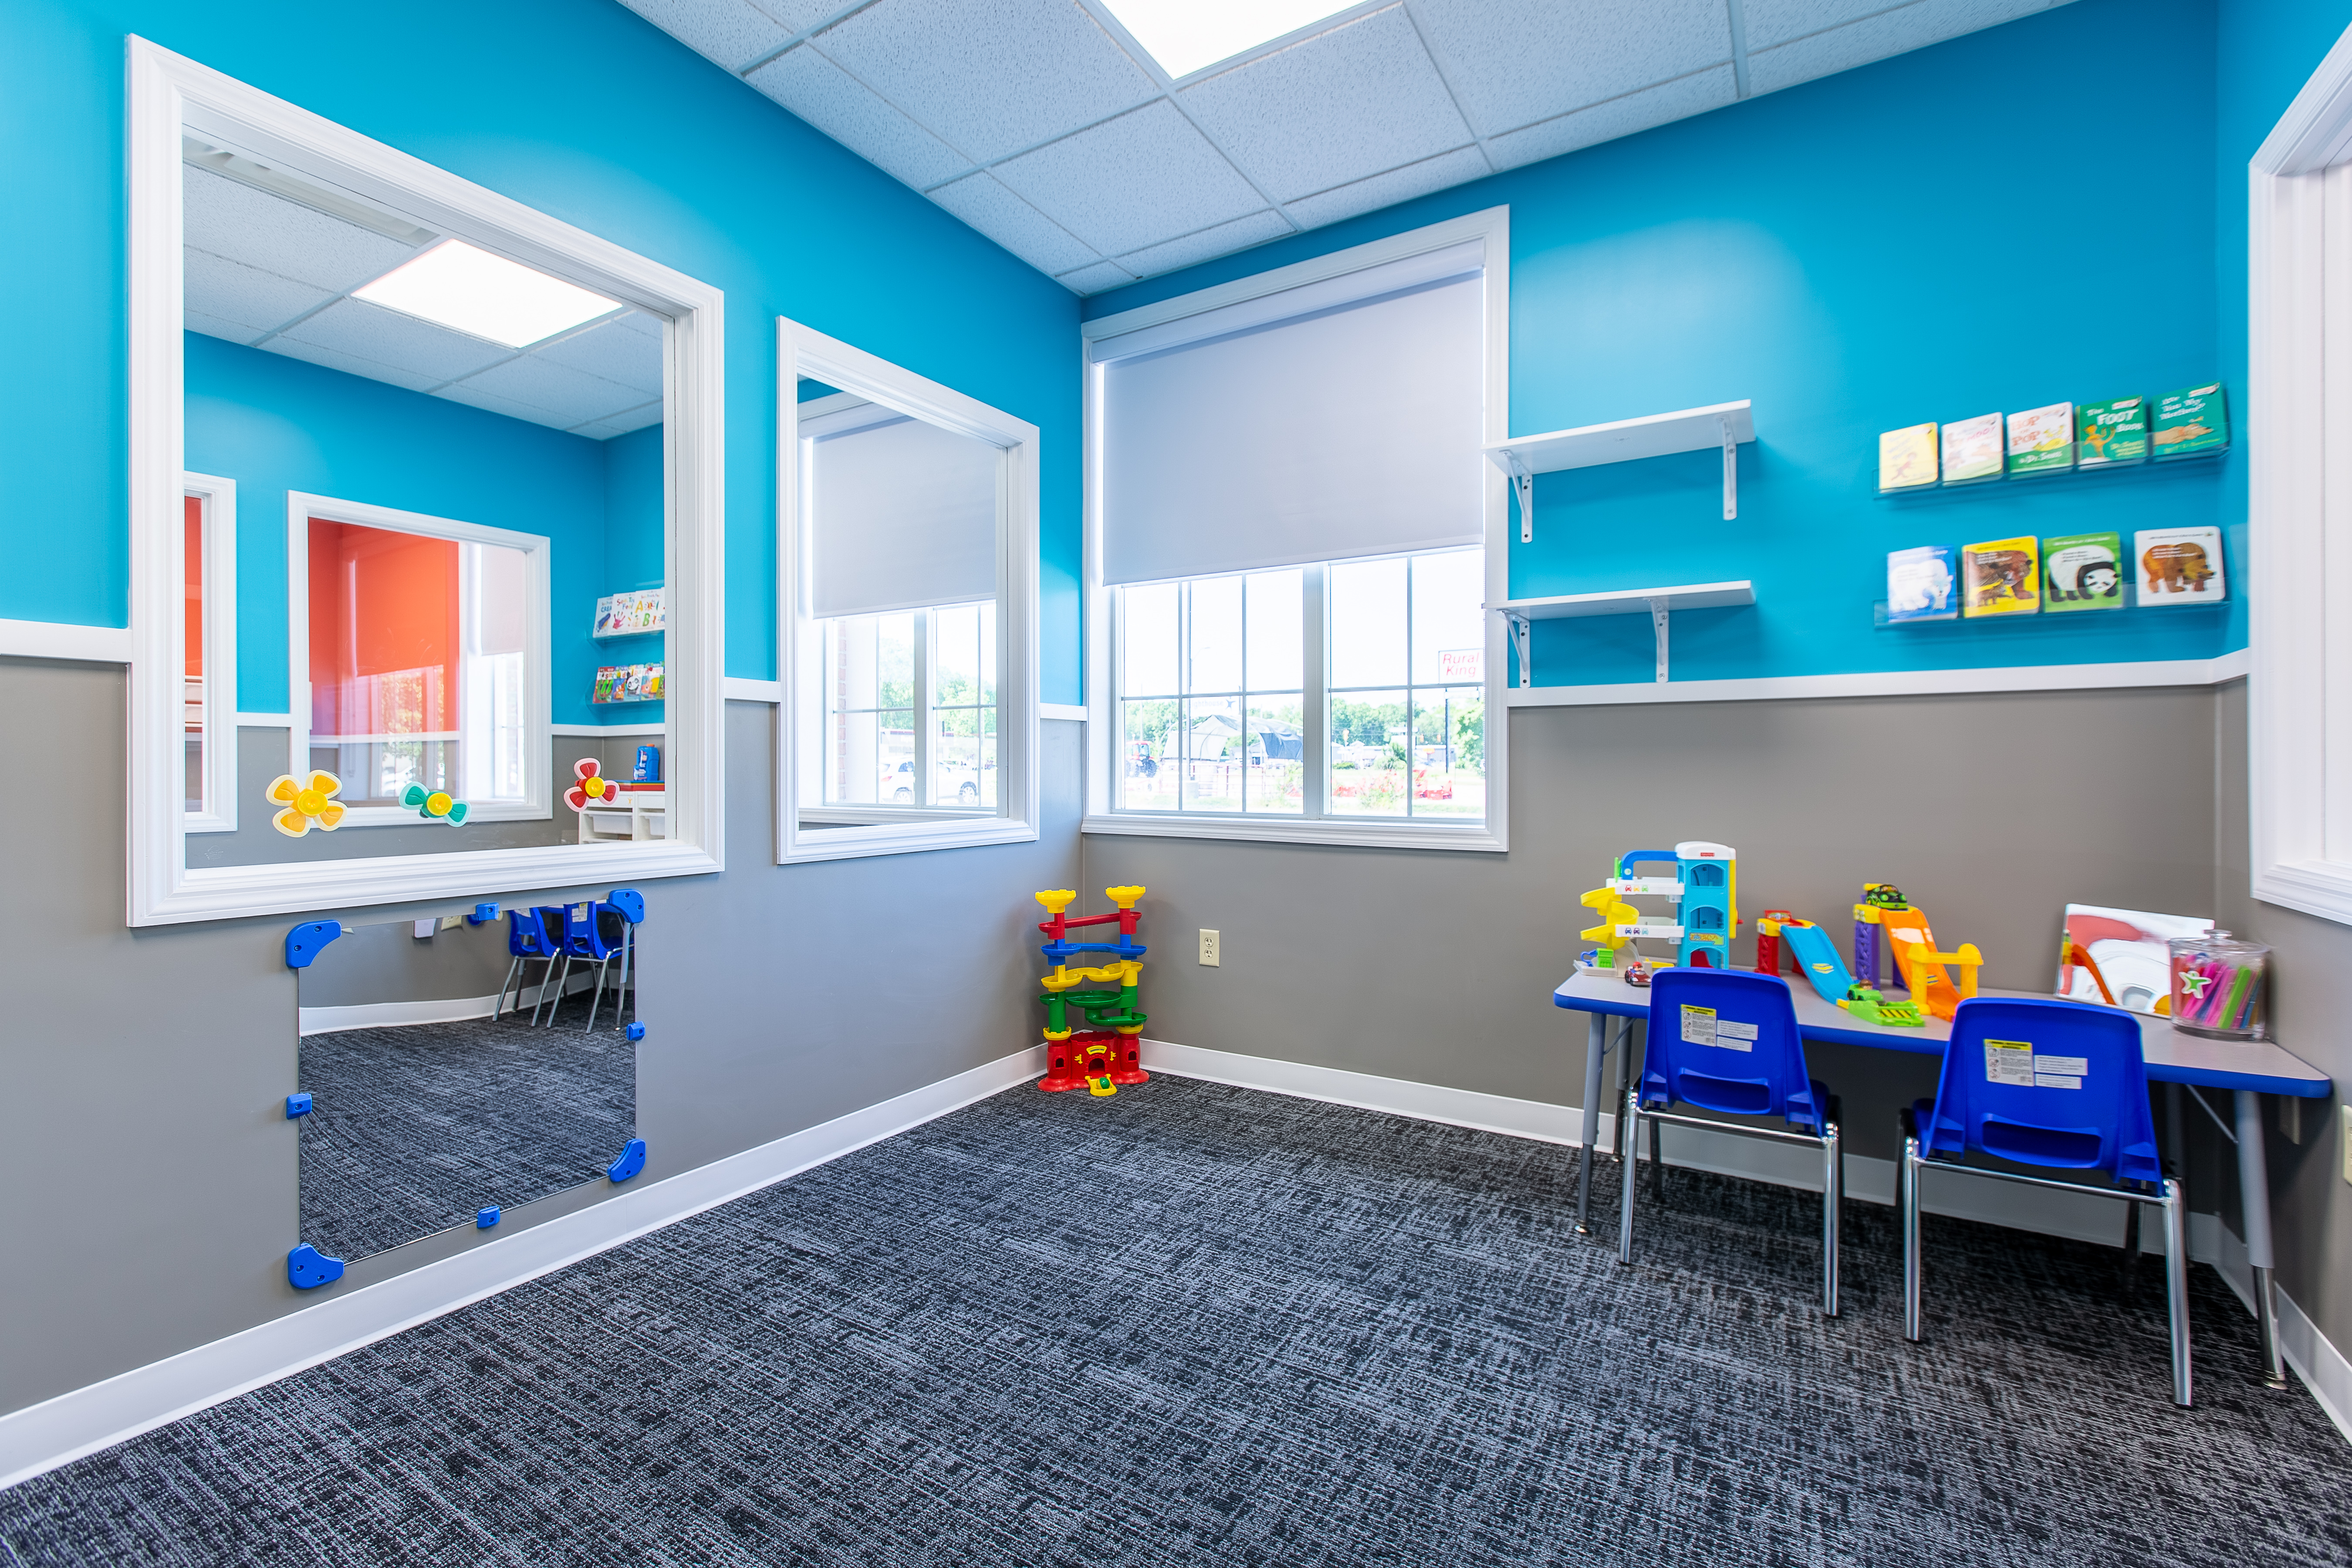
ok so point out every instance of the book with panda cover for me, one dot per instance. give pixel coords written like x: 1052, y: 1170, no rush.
x: 1919, y: 585
x: 1972, y: 450
x: 2082, y: 571
x: 2002, y: 577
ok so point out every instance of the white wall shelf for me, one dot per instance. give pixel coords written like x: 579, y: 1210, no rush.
x: 1522, y: 458
x: 1659, y: 602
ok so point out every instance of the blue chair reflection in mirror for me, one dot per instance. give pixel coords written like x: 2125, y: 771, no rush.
x: 526, y: 940
x: 598, y: 931
x: 1727, y: 1041
x: 2060, y: 1085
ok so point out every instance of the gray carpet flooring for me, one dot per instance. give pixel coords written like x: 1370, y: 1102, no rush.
x: 1199, y: 1325
x: 414, y: 1127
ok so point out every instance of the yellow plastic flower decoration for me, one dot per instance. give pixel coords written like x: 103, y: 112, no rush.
x: 310, y: 802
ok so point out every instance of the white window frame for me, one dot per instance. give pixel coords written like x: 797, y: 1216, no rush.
x: 1492, y: 229
x: 538, y: 743
x: 2299, y: 521
x: 167, y: 93
x: 219, y: 498
x: 802, y: 352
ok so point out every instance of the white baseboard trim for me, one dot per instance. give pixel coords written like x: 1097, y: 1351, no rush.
x: 741, y: 689
x: 57, y: 1431
x: 59, y: 640
x: 2230, y: 666
x: 2316, y: 1360
x: 440, y: 1010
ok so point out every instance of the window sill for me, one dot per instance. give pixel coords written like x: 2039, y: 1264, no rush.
x: 906, y: 838
x: 1366, y: 835
x: 877, y: 816
x: 2318, y: 888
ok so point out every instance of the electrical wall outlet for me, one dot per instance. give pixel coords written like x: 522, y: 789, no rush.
x: 1209, y: 948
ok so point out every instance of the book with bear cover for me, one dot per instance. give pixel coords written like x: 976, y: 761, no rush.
x: 2001, y: 577
x: 2179, y: 566
x: 1919, y: 585
x: 2082, y: 571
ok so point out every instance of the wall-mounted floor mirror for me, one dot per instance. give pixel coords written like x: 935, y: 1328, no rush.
x: 464, y: 1063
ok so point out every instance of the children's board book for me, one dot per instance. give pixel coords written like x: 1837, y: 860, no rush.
x: 608, y: 679
x: 2127, y: 949
x: 2003, y: 577
x: 2041, y: 440
x: 1907, y: 457
x: 2180, y: 566
x: 2111, y: 435
x: 1919, y: 585
x: 1972, y: 450
x: 2192, y: 423
x: 2082, y: 571
x: 603, y: 617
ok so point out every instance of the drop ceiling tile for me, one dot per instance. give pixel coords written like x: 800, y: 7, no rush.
x: 1914, y: 27
x: 620, y: 424
x: 618, y: 350
x: 387, y: 337
x: 1338, y: 107
x: 1013, y: 224
x: 730, y: 32
x: 1453, y: 168
x: 1619, y: 116
x: 351, y: 364
x: 1141, y: 179
x: 232, y: 219
x: 1222, y: 240
x: 1516, y: 62
x: 1093, y: 280
x: 836, y: 103
x: 216, y: 286
x: 991, y: 78
x: 213, y: 327
x: 574, y: 394
x: 492, y: 403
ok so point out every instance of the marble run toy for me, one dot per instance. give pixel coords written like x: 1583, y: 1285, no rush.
x: 1705, y: 888
x: 1100, y: 1058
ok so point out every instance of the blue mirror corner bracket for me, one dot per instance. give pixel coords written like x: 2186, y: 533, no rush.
x: 631, y: 1161
x: 304, y: 942
x: 636, y: 1031
x: 297, y: 1105
x: 487, y: 1217
x: 630, y: 902
x: 306, y: 1271
x: 484, y: 914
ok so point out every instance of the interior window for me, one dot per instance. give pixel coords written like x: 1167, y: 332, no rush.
x: 192, y: 657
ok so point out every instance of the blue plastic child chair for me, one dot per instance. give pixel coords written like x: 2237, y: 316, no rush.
x: 525, y: 940
x: 550, y: 920
x: 594, y: 933
x: 2060, y: 1085
x: 1726, y: 1040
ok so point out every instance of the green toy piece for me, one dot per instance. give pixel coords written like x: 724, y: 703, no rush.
x: 1872, y: 1008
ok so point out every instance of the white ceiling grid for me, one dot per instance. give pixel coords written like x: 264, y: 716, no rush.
x: 264, y: 271
x: 1042, y: 124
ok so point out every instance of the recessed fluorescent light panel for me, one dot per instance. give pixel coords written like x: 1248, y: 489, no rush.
x: 455, y: 285
x: 1185, y: 36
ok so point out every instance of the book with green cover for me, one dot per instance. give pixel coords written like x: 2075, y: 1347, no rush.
x: 2082, y: 571
x: 2192, y: 423
x: 2111, y: 435
x: 2041, y: 440
x: 1972, y: 450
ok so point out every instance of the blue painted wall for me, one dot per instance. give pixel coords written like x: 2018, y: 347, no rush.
x: 579, y: 109
x: 1823, y: 251
x: 274, y: 425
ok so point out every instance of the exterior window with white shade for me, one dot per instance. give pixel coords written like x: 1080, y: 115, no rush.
x: 1293, y: 534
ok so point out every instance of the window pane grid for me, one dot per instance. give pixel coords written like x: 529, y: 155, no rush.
x: 1211, y: 708
x: 885, y: 672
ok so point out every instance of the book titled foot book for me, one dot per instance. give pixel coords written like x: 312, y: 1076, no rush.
x: 1972, y: 450
x: 2192, y: 423
x: 2082, y: 571
x: 2001, y: 577
x: 2042, y: 441
x: 2111, y: 435
x: 2179, y: 566
x: 1919, y: 585
x: 1907, y: 457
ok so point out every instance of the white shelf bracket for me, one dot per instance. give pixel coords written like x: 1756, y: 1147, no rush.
x: 1523, y: 483
x: 1730, y: 489
x: 1658, y: 614
x: 1523, y: 638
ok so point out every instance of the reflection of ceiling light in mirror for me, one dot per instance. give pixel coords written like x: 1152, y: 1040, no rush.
x: 1184, y: 36
x: 455, y: 285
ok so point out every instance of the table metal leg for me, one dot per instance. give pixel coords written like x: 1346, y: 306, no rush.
x: 1596, y: 1046
x: 2254, y: 1204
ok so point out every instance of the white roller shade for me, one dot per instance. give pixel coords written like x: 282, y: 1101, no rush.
x: 901, y: 514
x: 1354, y: 430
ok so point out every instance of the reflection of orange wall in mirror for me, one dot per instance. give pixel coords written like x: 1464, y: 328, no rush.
x: 384, y: 631
x: 193, y: 552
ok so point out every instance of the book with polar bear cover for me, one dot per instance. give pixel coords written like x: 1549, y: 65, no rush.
x: 1920, y: 584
